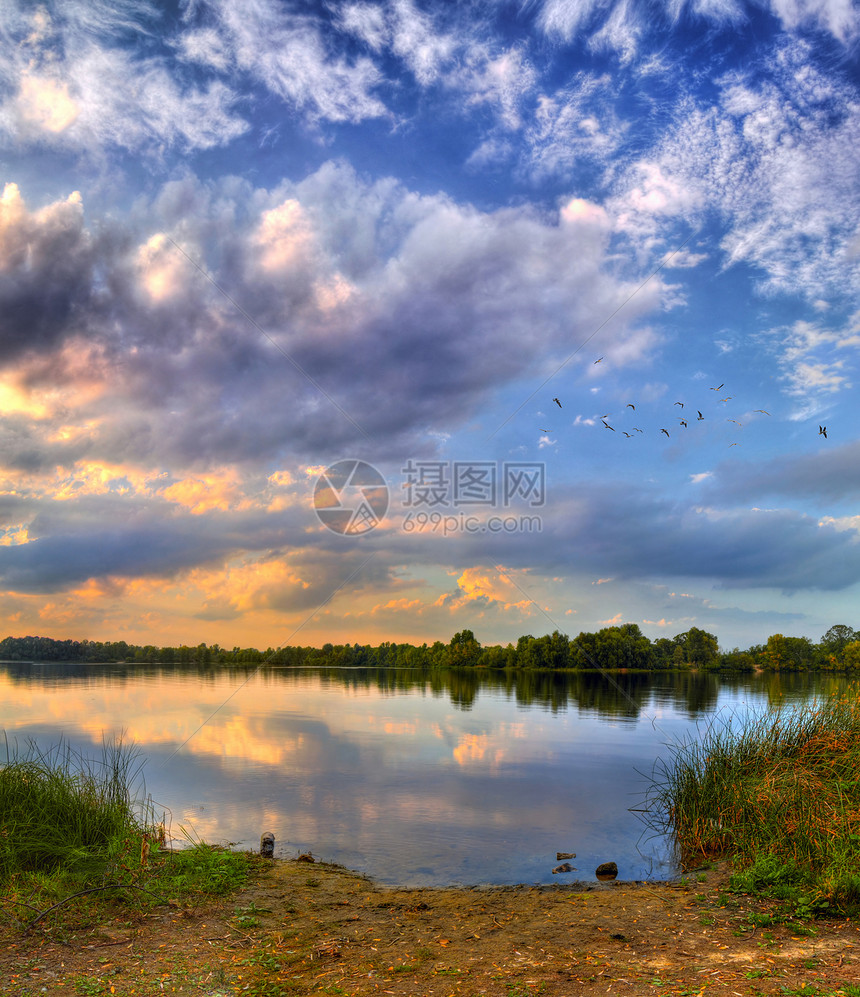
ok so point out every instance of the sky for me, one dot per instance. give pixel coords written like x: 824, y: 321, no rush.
x: 368, y: 321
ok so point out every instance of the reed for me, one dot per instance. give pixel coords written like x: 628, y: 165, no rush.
x: 778, y: 793
x: 82, y: 829
x: 59, y: 807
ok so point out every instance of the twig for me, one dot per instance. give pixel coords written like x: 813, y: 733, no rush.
x: 94, y: 889
x: 20, y: 903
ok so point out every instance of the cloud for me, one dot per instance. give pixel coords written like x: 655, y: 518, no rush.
x: 287, y: 52
x: 637, y: 535
x: 82, y: 78
x: 502, y: 81
x: 575, y: 127
x: 493, y: 585
x: 45, y: 105
x: 829, y: 476
x: 810, y: 364
x: 418, y: 40
x: 341, y: 295
x: 47, y: 260
x: 623, y: 27
x: 838, y: 17
x: 769, y: 156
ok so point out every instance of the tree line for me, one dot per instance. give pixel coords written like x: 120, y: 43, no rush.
x: 616, y: 647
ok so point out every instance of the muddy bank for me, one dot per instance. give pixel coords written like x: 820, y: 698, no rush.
x: 303, y: 928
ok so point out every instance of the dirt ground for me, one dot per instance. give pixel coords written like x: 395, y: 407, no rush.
x: 302, y: 928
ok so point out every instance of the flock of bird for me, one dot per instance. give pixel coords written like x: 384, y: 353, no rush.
x: 683, y: 423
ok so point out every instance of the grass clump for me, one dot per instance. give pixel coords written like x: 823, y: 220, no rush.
x: 79, y: 828
x: 778, y: 794
x: 59, y: 808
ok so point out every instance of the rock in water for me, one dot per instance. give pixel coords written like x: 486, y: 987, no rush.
x: 606, y: 870
x: 561, y: 856
x: 267, y: 845
x: 564, y: 867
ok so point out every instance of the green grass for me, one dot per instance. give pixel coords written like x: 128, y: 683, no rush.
x: 78, y: 833
x: 779, y: 794
x: 59, y: 808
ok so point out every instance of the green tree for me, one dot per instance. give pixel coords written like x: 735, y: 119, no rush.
x: 463, y: 650
x: 700, y: 649
x: 796, y: 653
x: 851, y: 655
x: 837, y: 637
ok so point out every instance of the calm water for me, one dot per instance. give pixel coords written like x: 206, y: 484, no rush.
x: 414, y: 779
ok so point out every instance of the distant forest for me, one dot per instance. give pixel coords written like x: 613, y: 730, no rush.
x: 611, y: 648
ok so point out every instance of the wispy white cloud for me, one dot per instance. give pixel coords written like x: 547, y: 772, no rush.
x: 71, y: 82
x: 810, y: 364
x: 622, y: 26
x: 285, y: 51
x: 840, y: 18
x: 774, y: 159
x: 500, y: 81
x: 575, y: 126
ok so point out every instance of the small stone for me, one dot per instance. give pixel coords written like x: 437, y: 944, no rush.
x: 561, y: 856
x: 267, y: 845
x: 564, y: 867
x: 306, y: 857
x: 606, y: 870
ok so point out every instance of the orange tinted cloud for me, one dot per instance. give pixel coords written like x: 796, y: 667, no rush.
x: 163, y: 270
x: 45, y: 104
x: 220, y: 490
x: 285, y: 236
x: 248, y: 586
x: 492, y: 584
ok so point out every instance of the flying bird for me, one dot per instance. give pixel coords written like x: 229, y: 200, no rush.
x: 666, y: 431
x: 822, y: 431
x: 598, y: 359
x: 762, y: 411
x: 557, y: 402
x: 636, y: 429
x: 728, y: 398
x: 683, y: 422
x: 735, y: 421
x: 680, y: 403
x: 734, y: 444
x: 605, y: 423
x: 546, y: 430
x: 628, y: 435
x: 630, y: 405
x: 719, y: 386
x: 700, y: 416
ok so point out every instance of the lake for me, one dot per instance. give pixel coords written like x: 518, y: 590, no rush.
x: 418, y: 779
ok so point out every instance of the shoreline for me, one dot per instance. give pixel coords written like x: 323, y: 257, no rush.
x: 308, y: 928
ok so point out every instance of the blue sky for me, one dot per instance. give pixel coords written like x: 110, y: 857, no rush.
x: 243, y: 240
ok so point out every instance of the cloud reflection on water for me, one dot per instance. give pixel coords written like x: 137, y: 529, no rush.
x: 407, y: 786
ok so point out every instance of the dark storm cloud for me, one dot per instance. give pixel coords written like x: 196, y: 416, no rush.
x: 47, y: 263
x: 302, y: 322
x: 831, y: 475
x: 54, y: 563
x: 638, y: 535
x: 124, y: 535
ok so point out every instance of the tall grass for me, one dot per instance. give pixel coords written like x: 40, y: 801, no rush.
x: 778, y: 793
x: 59, y: 807
x: 82, y: 829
